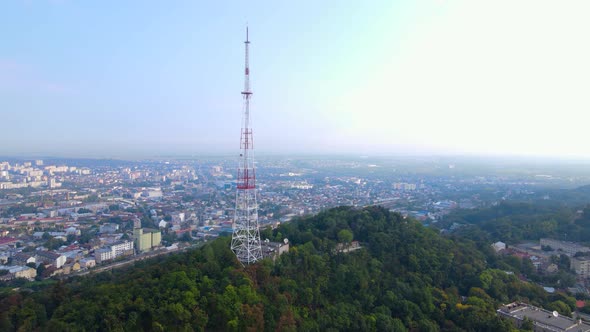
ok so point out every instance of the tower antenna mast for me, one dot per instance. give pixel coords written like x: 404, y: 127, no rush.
x: 245, y: 242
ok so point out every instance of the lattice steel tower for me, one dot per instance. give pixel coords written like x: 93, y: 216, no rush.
x: 245, y: 241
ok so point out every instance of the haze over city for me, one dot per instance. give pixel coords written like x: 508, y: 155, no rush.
x: 120, y: 79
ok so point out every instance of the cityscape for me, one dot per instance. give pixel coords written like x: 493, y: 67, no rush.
x: 400, y: 166
x: 89, y: 212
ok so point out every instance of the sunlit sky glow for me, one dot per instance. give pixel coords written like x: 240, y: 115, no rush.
x: 144, y: 78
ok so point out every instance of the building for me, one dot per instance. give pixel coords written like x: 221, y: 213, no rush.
x: 274, y: 249
x: 499, y: 246
x: 103, y: 254
x: 117, y: 249
x: 146, y: 239
x: 52, y: 258
x: 8, y: 241
x: 20, y: 272
x: 581, y: 265
x: 71, y: 267
x: 178, y: 217
x: 122, y: 248
x: 347, y: 247
x: 136, y: 222
x: 87, y: 263
x: 552, y: 268
x: 52, y: 183
x: 108, y: 228
x: 543, y: 320
x: 22, y: 258
x: 39, y: 235
x: 73, y: 231
x: 568, y: 248
x: 73, y: 255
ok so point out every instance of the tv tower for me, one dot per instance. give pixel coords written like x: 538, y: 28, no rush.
x: 245, y: 241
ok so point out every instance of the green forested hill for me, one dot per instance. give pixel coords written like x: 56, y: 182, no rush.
x: 513, y: 222
x: 406, y: 277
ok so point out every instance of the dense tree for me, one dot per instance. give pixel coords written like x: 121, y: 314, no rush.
x: 345, y: 236
x: 92, y: 198
x: 516, y: 221
x: 54, y: 243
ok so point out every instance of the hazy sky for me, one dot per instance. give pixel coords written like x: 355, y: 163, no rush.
x: 123, y: 78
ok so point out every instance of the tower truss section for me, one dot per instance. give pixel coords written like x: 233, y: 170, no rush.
x: 245, y: 242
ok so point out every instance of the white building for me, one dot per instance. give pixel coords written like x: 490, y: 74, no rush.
x: 499, y: 246
x: 178, y: 217
x: 581, y: 265
x: 117, y: 249
x: 52, y: 258
x: 108, y: 228
x: 103, y: 254
x: 73, y: 231
x: 121, y: 248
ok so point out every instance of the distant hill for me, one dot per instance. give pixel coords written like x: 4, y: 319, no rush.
x: 583, y: 189
x: 405, y: 277
x: 517, y: 221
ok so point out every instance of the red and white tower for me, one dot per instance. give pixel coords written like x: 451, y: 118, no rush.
x: 245, y: 242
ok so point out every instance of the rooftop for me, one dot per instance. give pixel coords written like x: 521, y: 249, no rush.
x: 6, y: 240
x: 543, y: 317
x: 48, y: 254
x: 15, y: 269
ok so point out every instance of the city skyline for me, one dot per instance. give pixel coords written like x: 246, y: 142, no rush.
x: 437, y: 77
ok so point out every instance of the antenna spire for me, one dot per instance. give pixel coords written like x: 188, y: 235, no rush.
x: 245, y: 242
